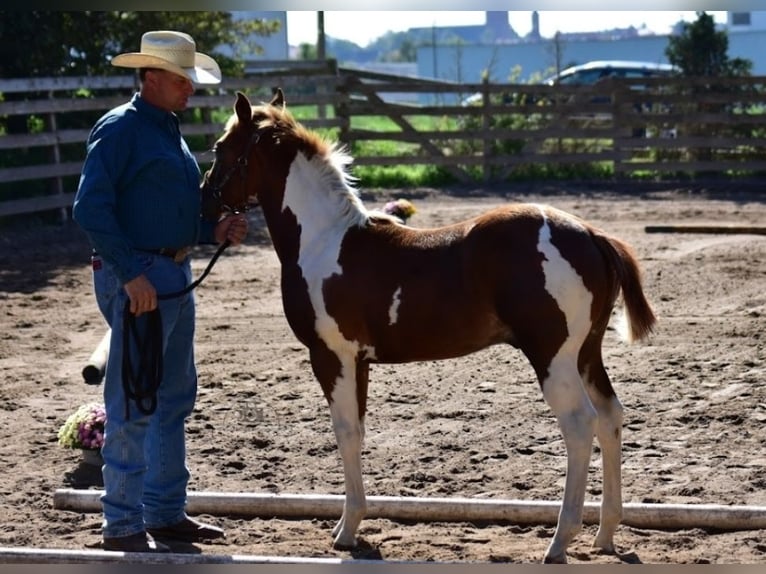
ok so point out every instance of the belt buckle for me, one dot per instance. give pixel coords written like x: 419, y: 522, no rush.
x: 181, y: 254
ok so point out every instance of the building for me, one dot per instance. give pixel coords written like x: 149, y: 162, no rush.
x: 464, y: 53
x: 746, y: 21
x: 534, y: 57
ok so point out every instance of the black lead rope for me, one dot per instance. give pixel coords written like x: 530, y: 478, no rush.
x: 141, y: 384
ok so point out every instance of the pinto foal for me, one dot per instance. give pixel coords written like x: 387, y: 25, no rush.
x: 359, y: 288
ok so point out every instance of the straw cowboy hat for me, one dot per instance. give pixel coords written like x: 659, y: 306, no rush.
x: 172, y: 51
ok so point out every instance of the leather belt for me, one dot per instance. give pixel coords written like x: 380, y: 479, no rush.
x: 177, y: 255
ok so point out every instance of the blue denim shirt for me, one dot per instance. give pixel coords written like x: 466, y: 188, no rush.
x: 139, y: 187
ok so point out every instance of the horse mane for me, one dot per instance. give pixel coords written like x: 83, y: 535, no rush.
x: 330, y: 159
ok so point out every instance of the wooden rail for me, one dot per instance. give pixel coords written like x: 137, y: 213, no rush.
x: 680, y: 127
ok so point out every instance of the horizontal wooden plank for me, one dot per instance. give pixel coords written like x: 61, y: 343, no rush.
x: 47, y: 106
x: 50, y: 84
x: 44, y: 139
x: 47, y: 171
x: 520, y: 159
x: 36, y: 204
x: 656, y: 140
x: 691, y: 167
x: 718, y: 228
x: 39, y: 171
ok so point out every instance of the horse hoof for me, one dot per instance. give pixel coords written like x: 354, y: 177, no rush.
x: 558, y: 559
x: 344, y: 545
x: 604, y: 543
x: 604, y: 548
x: 343, y: 540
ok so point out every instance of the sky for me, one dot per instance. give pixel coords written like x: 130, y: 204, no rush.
x: 364, y: 27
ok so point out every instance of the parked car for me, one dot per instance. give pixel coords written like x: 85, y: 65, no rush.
x: 592, y: 72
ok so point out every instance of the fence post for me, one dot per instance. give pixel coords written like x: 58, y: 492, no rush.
x: 207, y: 118
x: 341, y: 110
x: 58, y: 182
x: 332, y: 68
x: 617, y: 133
x: 486, y: 127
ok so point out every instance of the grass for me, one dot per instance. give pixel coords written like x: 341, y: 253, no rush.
x: 387, y: 176
x: 429, y: 175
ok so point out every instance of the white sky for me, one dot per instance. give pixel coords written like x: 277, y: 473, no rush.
x: 365, y: 26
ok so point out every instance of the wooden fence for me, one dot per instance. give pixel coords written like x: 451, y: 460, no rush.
x: 673, y: 128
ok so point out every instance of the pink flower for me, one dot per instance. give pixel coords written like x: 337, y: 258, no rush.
x: 84, y: 428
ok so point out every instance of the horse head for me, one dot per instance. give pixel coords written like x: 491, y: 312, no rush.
x: 234, y: 181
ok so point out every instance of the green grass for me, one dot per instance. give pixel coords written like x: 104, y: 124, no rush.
x: 429, y: 175
x: 386, y: 176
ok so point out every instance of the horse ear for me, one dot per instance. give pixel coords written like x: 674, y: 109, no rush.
x: 279, y: 98
x: 242, y: 108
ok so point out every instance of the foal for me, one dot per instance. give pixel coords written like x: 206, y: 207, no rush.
x: 359, y: 288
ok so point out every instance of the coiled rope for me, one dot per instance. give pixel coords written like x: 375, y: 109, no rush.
x: 141, y: 379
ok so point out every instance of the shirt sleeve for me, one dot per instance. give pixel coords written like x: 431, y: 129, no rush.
x: 95, y: 202
x: 207, y: 232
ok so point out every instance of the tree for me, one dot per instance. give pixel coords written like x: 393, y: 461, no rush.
x: 701, y: 50
x: 307, y: 51
x: 83, y: 43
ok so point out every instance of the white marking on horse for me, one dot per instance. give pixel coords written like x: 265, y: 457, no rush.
x: 393, y: 310
x: 563, y: 389
x: 321, y: 236
x: 566, y: 286
x: 322, y: 233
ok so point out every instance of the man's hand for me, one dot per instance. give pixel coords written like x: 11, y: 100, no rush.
x: 143, y: 296
x: 231, y: 227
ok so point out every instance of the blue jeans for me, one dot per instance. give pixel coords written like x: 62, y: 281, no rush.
x: 145, y: 473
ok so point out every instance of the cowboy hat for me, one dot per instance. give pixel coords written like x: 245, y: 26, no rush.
x: 172, y: 51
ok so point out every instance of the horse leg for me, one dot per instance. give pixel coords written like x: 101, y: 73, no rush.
x: 609, y: 435
x: 347, y: 397
x: 565, y: 394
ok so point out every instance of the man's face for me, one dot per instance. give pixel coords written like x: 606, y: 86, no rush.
x: 167, y: 90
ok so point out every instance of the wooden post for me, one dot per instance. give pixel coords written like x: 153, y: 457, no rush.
x: 443, y: 509
x: 58, y: 182
x: 486, y: 126
x: 342, y: 111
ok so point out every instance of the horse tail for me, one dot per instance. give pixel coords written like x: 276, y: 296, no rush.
x: 639, y: 318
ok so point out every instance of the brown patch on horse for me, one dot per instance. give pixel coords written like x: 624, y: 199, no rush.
x: 461, y: 285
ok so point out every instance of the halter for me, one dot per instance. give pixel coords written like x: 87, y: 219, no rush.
x: 240, y: 165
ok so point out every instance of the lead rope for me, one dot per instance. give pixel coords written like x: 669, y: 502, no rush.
x: 141, y: 385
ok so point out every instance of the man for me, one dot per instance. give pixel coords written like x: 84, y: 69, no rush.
x: 138, y: 201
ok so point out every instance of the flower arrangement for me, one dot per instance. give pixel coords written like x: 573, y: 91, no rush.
x: 401, y: 208
x: 84, y: 428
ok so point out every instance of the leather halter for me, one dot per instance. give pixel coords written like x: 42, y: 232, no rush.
x: 240, y: 167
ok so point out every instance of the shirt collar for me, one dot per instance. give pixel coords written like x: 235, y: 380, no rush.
x: 158, y: 115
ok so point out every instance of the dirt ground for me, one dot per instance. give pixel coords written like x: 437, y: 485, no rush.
x: 694, y: 397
